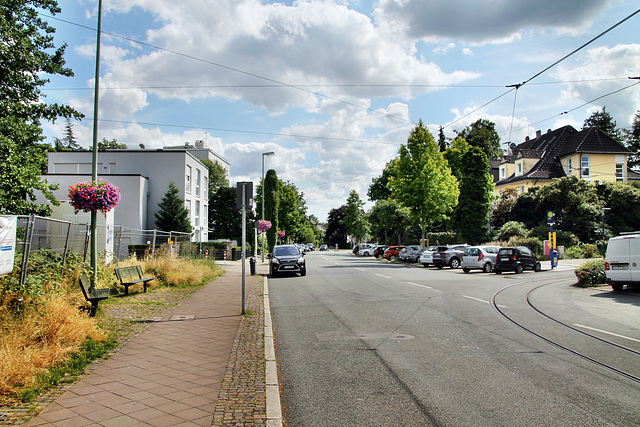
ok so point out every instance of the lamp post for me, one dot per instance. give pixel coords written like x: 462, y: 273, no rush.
x: 267, y: 154
x: 603, y: 231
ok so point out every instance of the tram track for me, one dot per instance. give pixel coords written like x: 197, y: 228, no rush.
x: 581, y: 354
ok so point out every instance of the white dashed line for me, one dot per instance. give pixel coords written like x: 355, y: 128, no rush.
x: 481, y: 300
x: 382, y: 275
x: 422, y: 286
x: 605, y: 332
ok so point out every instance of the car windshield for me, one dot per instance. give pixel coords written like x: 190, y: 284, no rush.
x: 286, y: 250
x: 505, y: 252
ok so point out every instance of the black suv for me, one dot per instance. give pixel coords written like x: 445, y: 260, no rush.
x: 516, y: 259
x: 285, y: 259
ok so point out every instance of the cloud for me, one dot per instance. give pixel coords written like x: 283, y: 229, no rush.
x: 477, y: 22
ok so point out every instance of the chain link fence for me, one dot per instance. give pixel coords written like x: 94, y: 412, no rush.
x: 35, y: 233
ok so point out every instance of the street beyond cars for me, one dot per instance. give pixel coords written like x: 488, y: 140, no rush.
x: 287, y: 259
x: 479, y: 258
x: 516, y: 259
x: 448, y: 255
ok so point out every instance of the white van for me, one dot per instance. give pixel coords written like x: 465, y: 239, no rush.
x: 622, y: 261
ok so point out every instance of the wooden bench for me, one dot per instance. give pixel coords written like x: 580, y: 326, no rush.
x: 94, y: 296
x: 131, y: 275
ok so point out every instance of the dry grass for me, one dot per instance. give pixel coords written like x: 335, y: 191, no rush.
x: 42, y: 337
x: 179, y: 272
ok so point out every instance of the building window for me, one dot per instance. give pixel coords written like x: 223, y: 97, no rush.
x: 521, y: 189
x: 197, y: 182
x: 205, y: 189
x: 205, y: 224
x: 197, y: 213
x: 188, y: 182
x: 584, y: 167
x: 569, y: 166
x: 503, y: 172
x: 619, y: 172
x: 187, y: 204
x: 519, y: 168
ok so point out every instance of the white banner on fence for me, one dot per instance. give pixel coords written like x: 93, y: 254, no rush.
x: 8, y: 225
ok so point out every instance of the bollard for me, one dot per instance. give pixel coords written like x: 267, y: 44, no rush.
x: 252, y: 265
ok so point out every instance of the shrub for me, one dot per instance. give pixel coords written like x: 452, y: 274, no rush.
x: 591, y: 273
x: 443, y: 237
x: 580, y: 251
x: 511, y: 229
x: 532, y: 243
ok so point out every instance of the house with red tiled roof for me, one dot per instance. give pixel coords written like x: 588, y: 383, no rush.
x: 590, y: 154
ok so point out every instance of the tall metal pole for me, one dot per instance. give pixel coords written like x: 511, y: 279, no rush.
x: 94, y: 158
x: 244, y: 240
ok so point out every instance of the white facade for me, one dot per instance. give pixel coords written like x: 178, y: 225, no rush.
x: 158, y: 167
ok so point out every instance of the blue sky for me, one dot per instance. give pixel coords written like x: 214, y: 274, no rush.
x: 334, y: 87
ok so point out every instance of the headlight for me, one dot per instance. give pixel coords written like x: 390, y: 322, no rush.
x: 275, y: 261
x: 301, y: 260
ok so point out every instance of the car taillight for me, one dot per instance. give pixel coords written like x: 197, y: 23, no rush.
x: 480, y: 257
x: 606, y: 266
x: 515, y: 257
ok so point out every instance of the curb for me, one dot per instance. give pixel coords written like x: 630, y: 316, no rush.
x: 274, y: 411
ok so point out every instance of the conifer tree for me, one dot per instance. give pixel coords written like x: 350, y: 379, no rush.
x: 173, y: 215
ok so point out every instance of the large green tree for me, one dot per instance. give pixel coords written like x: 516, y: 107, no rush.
x: 624, y: 202
x: 225, y: 219
x: 172, y: 214
x: 379, y: 188
x: 271, y: 205
x: 633, y: 142
x: 355, y: 219
x: 604, y: 121
x: 336, y: 230
x: 482, y: 133
x: 388, y: 216
x: 217, y: 175
x: 424, y: 182
x: 292, y: 212
x: 27, y: 57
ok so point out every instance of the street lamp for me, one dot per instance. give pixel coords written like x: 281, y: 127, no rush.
x: 603, y: 232
x: 267, y: 154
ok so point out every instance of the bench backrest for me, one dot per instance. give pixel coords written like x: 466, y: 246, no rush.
x: 85, y: 285
x: 127, y: 273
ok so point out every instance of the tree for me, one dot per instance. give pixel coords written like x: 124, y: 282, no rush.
x: 502, y: 213
x: 424, y: 182
x: 476, y: 194
x: 604, y: 121
x: 442, y: 141
x: 633, y: 142
x: 68, y: 142
x: 624, y: 202
x: 379, y: 188
x: 217, y: 175
x: 172, y: 214
x: 336, y: 230
x: 112, y: 144
x: 355, y: 220
x: 292, y: 211
x: 387, y: 215
x: 271, y: 202
x: 225, y: 220
x: 482, y: 133
x: 27, y: 56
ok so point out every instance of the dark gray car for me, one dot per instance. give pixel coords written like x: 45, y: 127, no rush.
x: 287, y: 259
x: 448, y: 255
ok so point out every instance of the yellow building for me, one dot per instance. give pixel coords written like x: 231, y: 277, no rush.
x: 590, y: 154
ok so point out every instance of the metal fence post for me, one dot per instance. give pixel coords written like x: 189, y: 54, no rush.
x: 153, y: 248
x: 66, y: 246
x: 28, y: 235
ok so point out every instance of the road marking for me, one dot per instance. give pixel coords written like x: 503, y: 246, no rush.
x: 605, y: 332
x: 361, y: 269
x: 382, y: 275
x: 422, y: 286
x: 481, y: 300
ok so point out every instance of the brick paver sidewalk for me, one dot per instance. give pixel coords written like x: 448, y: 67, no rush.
x: 202, y: 364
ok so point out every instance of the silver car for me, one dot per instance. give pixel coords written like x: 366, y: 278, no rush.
x: 479, y: 258
x: 426, y: 257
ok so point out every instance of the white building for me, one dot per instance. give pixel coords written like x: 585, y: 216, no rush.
x: 143, y: 178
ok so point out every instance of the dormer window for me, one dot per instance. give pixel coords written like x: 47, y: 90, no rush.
x: 503, y: 172
x: 519, y: 168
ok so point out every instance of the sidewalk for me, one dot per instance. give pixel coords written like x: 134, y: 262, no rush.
x: 201, y: 365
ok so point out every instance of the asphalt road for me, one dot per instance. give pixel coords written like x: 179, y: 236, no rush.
x: 366, y: 342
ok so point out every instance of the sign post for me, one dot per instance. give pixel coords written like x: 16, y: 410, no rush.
x: 244, y: 199
x: 553, y: 253
x: 8, y: 224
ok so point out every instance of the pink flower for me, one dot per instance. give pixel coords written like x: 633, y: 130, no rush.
x: 94, y: 196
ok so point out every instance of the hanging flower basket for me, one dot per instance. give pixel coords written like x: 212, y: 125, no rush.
x: 94, y: 196
x: 263, y: 225
x: 281, y: 234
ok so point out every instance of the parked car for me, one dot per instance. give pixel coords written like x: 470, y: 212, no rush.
x: 516, y: 259
x: 410, y: 253
x: 426, y: 257
x: 324, y: 248
x: 392, y: 252
x: 355, y: 250
x: 287, y: 259
x: 379, y: 251
x: 448, y: 255
x: 367, y: 249
x: 310, y: 247
x: 479, y: 258
x: 622, y: 261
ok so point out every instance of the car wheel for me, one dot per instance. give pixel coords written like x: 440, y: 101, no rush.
x: 519, y: 269
x: 274, y: 272
x: 425, y: 265
x: 440, y: 266
x: 617, y: 287
x: 393, y: 258
x: 487, y: 268
x: 466, y: 270
x: 497, y: 271
x: 537, y: 267
x: 303, y: 271
x: 454, y: 263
